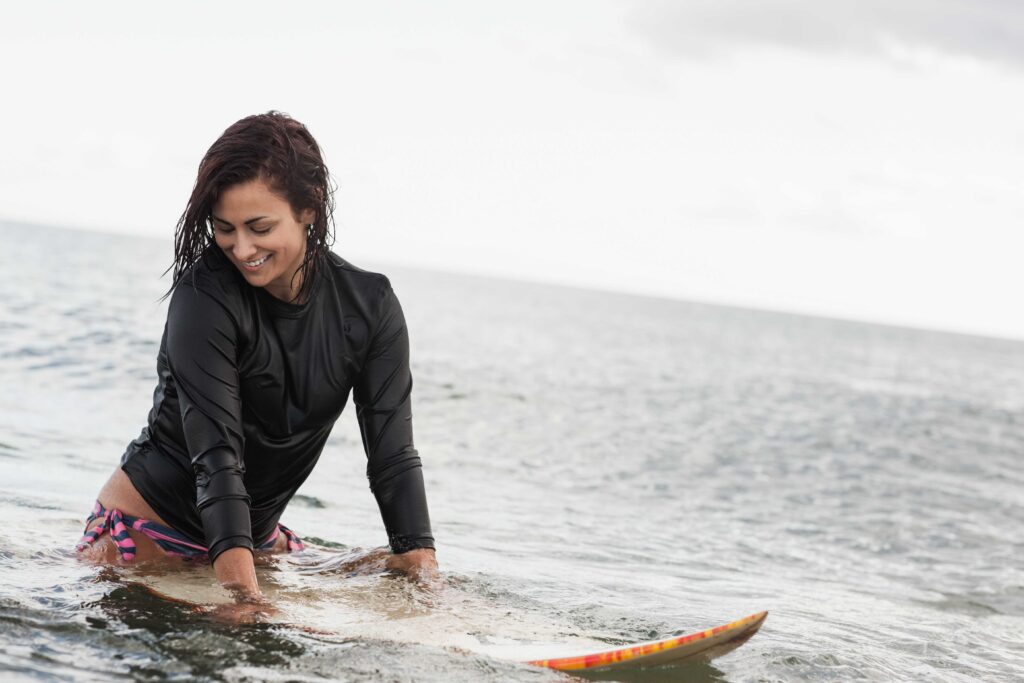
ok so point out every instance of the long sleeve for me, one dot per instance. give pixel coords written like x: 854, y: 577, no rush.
x: 382, y: 395
x: 202, y: 342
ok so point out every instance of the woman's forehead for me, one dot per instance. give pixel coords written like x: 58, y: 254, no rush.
x: 254, y: 195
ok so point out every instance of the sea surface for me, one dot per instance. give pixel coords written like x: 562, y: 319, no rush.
x: 599, y: 467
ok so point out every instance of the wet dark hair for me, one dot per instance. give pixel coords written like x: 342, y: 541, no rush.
x: 279, y: 150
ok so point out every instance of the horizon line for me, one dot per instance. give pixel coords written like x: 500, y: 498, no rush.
x: 588, y: 287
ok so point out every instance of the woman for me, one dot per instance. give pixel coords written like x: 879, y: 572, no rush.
x: 267, y: 332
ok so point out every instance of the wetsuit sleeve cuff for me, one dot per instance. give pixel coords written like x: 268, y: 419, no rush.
x: 226, y: 524
x: 403, y: 544
x: 227, y: 544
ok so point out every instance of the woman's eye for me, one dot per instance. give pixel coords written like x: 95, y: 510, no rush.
x: 262, y: 231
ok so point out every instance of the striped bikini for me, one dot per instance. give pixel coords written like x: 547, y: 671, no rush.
x: 170, y: 541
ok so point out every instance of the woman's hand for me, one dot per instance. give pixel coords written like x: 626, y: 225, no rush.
x: 237, y: 574
x: 247, y: 609
x: 420, y: 563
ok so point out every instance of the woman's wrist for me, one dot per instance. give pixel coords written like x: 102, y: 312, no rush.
x: 237, y: 574
x: 413, y: 562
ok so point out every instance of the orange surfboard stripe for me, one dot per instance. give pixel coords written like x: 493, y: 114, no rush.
x: 633, y: 651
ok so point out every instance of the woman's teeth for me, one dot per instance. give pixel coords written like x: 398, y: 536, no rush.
x: 257, y: 262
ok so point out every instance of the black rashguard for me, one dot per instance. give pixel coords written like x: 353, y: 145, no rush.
x: 248, y: 390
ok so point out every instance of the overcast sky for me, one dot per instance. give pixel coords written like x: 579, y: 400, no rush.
x: 852, y: 158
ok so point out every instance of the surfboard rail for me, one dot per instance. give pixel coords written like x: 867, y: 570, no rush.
x: 702, y: 645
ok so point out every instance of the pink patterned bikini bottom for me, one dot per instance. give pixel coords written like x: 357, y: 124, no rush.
x: 116, y: 523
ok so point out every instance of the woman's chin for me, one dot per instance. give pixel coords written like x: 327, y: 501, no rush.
x: 254, y: 279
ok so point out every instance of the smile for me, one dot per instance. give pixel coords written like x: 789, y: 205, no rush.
x: 254, y: 265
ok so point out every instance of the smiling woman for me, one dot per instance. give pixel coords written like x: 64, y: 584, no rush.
x: 268, y: 332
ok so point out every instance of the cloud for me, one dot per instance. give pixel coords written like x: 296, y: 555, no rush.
x: 985, y: 29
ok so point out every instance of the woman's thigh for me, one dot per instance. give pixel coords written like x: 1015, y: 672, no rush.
x: 119, y: 492
x: 104, y: 549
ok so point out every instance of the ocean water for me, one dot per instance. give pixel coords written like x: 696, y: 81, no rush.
x: 600, y: 467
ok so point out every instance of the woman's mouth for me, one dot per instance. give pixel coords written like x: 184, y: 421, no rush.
x: 255, y: 265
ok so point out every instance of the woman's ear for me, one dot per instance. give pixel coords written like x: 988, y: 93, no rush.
x: 307, y: 216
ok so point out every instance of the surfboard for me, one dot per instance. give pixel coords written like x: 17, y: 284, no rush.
x: 700, y: 646
x: 367, y: 612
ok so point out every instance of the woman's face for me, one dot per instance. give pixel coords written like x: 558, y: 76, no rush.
x: 257, y: 231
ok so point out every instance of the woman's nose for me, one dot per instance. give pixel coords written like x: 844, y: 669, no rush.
x: 244, y: 247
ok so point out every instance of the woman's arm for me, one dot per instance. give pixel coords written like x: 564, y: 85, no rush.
x: 202, y: 349
x: 382, y: 394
